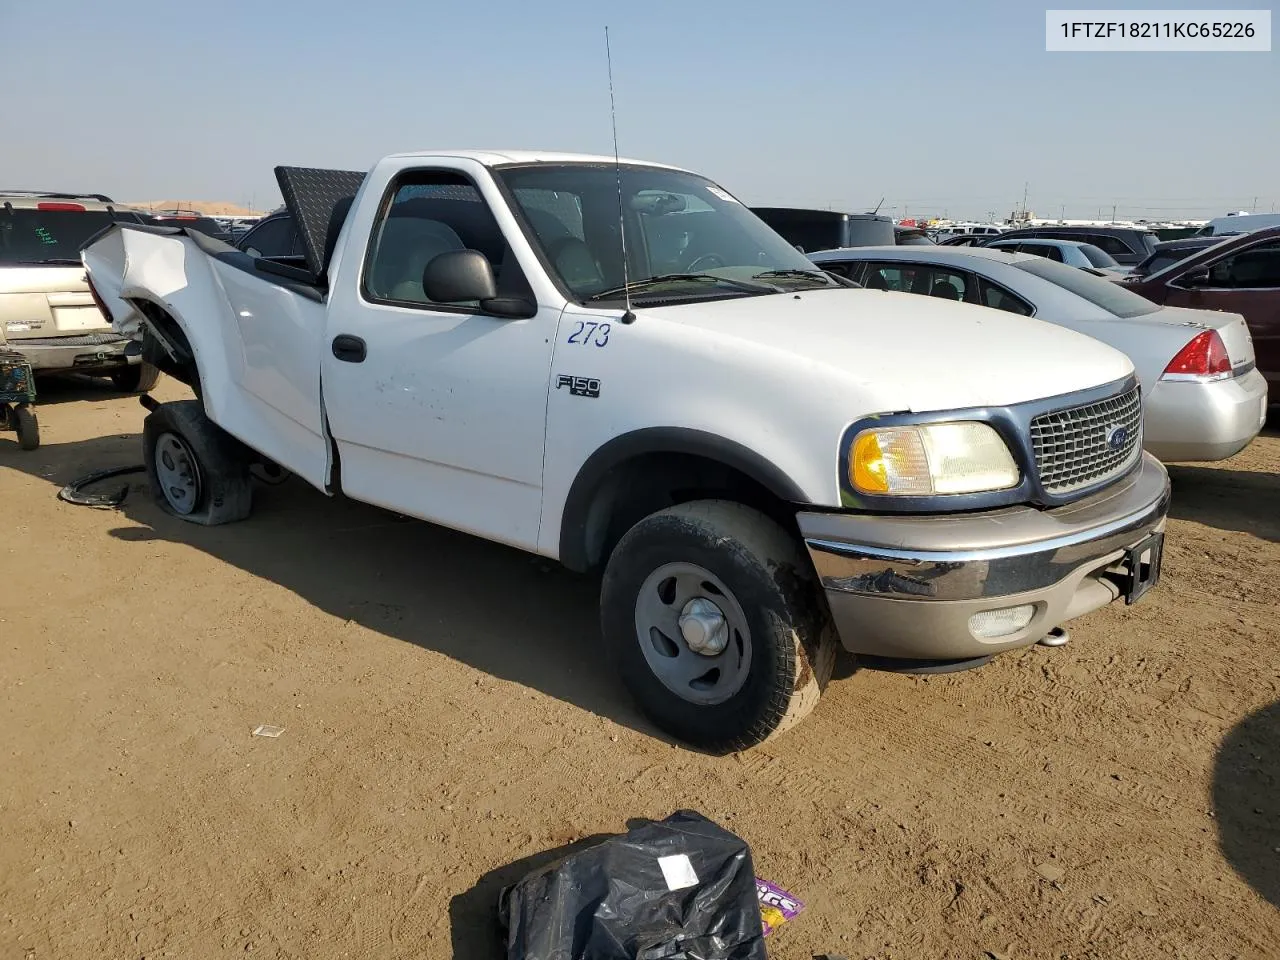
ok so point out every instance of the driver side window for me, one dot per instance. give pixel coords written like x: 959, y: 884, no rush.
x: 923, y: 279
x: 427, y: 213
x: 1256, y: 268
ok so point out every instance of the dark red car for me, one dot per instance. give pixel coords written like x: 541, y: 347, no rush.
x: 1240, y: 275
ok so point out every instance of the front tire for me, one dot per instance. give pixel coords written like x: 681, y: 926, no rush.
x: 198, y: 472
x: 711, y: 612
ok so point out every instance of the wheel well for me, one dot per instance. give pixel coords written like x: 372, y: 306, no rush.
x: 644, y: 483
x: 165, y: 346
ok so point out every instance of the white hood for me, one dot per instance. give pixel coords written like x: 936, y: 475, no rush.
x: 932, y: 354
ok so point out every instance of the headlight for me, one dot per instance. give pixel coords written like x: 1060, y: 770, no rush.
x: 928, y: 459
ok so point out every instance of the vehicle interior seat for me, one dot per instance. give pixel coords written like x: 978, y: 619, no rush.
x: 569, y: 253
x: 574, y: 263
x: 944, y: 289
x: 470, y: 219
x: 406, y: 246
x: 476, y: 227
x: 876, y: 281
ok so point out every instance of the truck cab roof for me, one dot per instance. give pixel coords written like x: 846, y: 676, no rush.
x: 498, y: 158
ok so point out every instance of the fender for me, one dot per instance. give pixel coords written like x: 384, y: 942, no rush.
x: 650, y: 440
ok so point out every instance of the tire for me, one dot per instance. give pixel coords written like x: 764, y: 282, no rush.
x: 197, y: 471
x: 27, y: 427
x: 136, y: 378
x: 778, y: 646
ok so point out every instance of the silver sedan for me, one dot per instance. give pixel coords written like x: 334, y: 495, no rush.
x: 1203, y: 396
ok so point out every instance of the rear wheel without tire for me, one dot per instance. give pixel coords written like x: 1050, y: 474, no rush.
x: 711, y: 611
x: 197, y: 470
x: 137, y: 378
x: 28, y: 429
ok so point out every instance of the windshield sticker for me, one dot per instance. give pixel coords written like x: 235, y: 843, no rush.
x: 717, y: 192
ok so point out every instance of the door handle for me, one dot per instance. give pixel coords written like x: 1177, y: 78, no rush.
x: 349, y: 349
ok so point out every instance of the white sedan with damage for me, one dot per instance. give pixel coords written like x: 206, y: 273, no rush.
x: 1203, y: 396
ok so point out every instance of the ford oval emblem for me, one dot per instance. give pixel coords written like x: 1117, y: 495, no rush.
x: 1117, y: 436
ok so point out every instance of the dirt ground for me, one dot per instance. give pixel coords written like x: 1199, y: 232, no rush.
x: 448, y: 718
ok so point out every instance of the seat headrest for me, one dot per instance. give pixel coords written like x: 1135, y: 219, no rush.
x: 405, y: 247
x: 945, y: 290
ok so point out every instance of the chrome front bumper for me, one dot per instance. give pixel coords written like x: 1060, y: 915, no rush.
x: 1188, y: 420
x: 906, y: 586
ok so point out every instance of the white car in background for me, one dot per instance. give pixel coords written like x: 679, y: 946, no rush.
x: 47, y: 312
x: 1234, y: 223
x: 1204, y: 398
x: 1074, y: 253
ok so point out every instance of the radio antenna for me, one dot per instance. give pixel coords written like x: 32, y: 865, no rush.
x: 628, y: 316
x: 878, y: 206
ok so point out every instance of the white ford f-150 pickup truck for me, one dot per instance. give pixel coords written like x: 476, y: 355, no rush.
x: 620, y: 367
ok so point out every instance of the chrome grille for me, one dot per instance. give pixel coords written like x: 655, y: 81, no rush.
x: 1079, y: 447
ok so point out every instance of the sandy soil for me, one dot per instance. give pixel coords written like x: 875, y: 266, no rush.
x: 447, y: 715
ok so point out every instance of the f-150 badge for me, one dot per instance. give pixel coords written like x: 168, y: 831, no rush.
x: 579, y: 386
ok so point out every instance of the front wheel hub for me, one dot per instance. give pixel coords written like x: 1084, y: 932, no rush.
x: 703, y: 627
x: 693, y: 633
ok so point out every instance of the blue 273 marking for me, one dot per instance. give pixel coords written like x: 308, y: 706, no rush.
x: 590, y: 332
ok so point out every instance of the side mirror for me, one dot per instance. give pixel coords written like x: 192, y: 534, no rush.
x: 465, y: 276
x: 1195, y: 278
x: 458, y: 276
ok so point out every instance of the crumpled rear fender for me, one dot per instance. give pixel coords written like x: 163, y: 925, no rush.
x: 169, y: 269
x: 163, y: 266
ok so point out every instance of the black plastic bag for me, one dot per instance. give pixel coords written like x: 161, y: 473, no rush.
x: 679, y: 889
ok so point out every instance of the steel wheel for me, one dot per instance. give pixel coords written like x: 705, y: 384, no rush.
x: 178, y: 472
x: 693, y: 633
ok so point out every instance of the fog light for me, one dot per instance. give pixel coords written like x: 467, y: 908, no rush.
x: 1001, y: 623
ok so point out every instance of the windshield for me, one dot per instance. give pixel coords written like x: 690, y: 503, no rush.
x: 686, y: 238
x: 43, y: 236
x: 1108, y: 295
x: 1097, y: 256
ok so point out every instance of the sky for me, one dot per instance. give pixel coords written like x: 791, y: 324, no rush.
x: 926, y: 107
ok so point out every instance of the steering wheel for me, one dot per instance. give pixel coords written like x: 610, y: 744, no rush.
x: 705, y: 258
